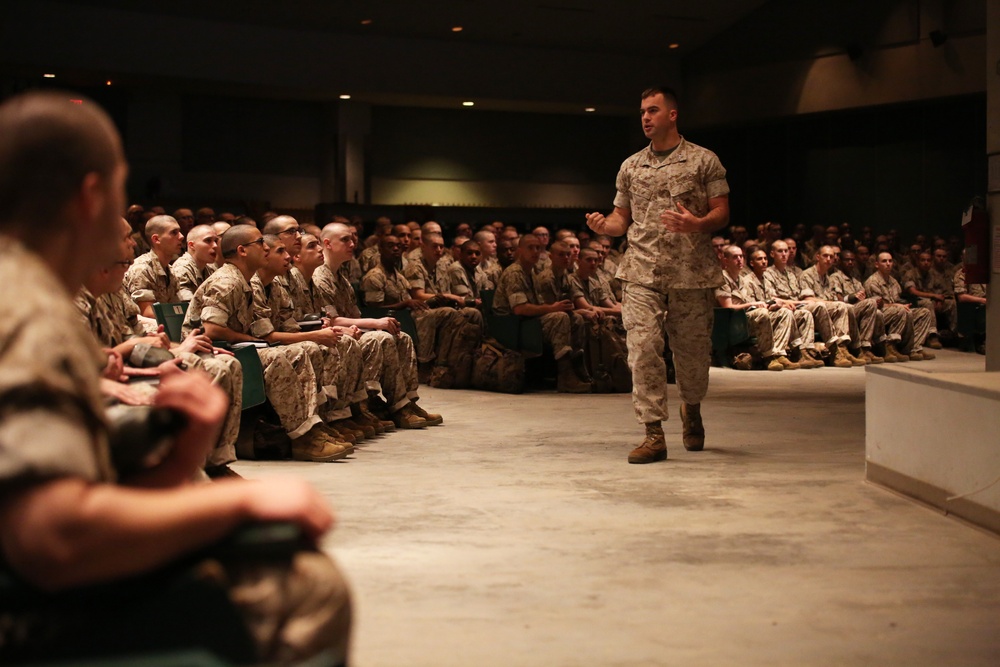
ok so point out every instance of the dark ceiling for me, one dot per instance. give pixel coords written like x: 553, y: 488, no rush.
x: 643, y: 27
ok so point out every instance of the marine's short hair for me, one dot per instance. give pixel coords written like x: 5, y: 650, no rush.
x: 236, y: 236
x: 48, y: 145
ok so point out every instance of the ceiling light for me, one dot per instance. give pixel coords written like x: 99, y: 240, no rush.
x: 468, y: 104
x: 345, y: 97
x: 366, y: 22
x: 675, y: 45
x: 49, y: 76
x: 590, y: 109
x: 457, y: 28
x: 108, y: 82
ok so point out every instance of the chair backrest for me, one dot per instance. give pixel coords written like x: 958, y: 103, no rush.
x: 253, y: 376
x: 486, y: 296
x: 171, y: 316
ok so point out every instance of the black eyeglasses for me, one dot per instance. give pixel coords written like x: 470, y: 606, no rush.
x: 259, y: 242
x: 294, y: 232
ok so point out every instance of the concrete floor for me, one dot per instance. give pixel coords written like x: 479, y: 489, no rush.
x: 517, y: 534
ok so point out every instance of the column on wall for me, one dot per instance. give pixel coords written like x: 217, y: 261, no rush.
x: 993, y: 201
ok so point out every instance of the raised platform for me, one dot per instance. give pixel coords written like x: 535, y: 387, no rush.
x: 933, y: 433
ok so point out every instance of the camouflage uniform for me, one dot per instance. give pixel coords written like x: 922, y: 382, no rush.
x: 390, y: 361
x: 936, y: 282
x: 369, y: 259
x: 273, y: 304
x: 491, y: 271
x: 868, y: 317
x: 188, y: 276
x: 607, y: 271
x: 551, y: 288
x: 437, y: 327
x: 350, y: 382
x: 772, y: 329
x: 860, y: 316
x: 785, y: 285
x: 661, y: 267
x: 596, y: 290
x: 959, y: 286
x: 907, y: 326
x: 300, y: 291
x: 113, y: 318
x: 460, y: 283
x: 290, y: 382
x: 516, y: 288
x: 147, y: 280
x: 803, y: 333
x: 352, y: 269
x: 53, y: 425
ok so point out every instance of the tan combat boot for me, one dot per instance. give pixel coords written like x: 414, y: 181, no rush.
x: 839, y: 355
x: 319, y: 446
x: 405, y: 417
x: 871, y: 357
x: 854, y: 359
x: 787, y: 363
x: 361, y: 412
x: 810, y: 358
x: 567, y: 381
x: 429, y: 417
x: 693, y: 428
x: 653, y: 447
x: 892, y: 351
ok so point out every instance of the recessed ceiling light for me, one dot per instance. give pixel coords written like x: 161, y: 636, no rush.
x: 108, y: 82
x: 457, y: 28
x: 49, y: 76
x: 674, y: 45
x: 468, y: 104
x: 366, y: 22
x: 345, y: 97
x: 590, y: 109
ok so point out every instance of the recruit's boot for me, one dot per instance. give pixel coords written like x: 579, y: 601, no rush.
x: 320, y: 446
x: 567, y: 381
x: 429, y: 417
x: 693, y: 428
x: 653, y: 447
x: 839, y: 356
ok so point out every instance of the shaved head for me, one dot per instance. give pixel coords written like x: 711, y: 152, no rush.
x: 277, y: 224
x: 335, y: 229
x: 159, y: 224
x: 198, y: 232
x: 236, y: 236
x: 48, y: 145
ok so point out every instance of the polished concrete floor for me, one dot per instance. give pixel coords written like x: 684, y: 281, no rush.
x: 517, y: 534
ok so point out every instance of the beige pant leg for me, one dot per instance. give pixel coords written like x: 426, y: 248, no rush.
x: 290, y: 385
x: 382, y: 368
x: 690, y: 313
x: 804, y: 333
x: 759, y: 324
x: 863, y: 313
x: 407, y: 356
x: 227, y: 373
x: 326, y: 364
x: 840, y: 320
x: 821, y: 320
x: 643, y: 312
x: 782, y: 326
x: 897, y: 322
x: 556, y: 331
x: 351, y: 387
x: 923, y: 325
x: 294, y: 611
